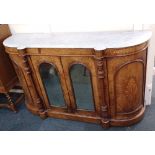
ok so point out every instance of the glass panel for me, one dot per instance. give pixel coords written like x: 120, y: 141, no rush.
x: 81, y: 82
x: 52, y: 84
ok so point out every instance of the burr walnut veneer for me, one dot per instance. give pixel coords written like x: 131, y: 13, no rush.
x: 93, y: 77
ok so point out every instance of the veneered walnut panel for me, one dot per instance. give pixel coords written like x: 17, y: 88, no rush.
x: 129, y: 86
x: 119, y: 52
x: 60, y: 51
x: 126, y: 76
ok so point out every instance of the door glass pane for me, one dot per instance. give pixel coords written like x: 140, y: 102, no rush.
x: 81, y: 82
x: 52, y: 84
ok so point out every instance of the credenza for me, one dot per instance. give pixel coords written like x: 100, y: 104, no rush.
x: 96, y: 77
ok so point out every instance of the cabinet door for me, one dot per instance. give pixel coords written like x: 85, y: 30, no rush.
x: 49, y: 72
x: 126, y: 76
x: 82, y: 84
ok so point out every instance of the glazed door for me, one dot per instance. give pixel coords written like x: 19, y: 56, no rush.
x: 51, y: 79
x: 68, y: 84
x: 82, y: 83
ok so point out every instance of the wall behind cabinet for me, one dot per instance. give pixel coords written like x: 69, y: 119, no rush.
x: 68, y: 27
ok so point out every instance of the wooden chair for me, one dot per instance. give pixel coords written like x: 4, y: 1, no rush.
x: 8, y: 77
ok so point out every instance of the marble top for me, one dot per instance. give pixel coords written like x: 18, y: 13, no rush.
x: 95, y: 40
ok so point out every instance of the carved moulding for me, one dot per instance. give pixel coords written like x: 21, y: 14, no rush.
x: 101, y: 74
x: 30, y: 82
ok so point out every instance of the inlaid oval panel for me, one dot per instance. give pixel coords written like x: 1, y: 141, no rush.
x: 52, y: 85
x: 81, y: 82
x: 129, y: 87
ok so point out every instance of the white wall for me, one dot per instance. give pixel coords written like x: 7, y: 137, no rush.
x: 57, y: 26
x: 68, y: 27
x: 150, y: 63
x: 30, y: 28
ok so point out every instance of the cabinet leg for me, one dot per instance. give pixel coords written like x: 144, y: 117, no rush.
x: 105, y: 123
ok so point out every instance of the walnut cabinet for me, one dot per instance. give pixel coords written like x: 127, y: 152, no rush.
x: 104, y: 85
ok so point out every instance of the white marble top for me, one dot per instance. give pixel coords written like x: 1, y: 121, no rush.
x: 96, y: 40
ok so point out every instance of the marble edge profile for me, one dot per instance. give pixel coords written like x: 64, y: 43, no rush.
x: 96, y: 48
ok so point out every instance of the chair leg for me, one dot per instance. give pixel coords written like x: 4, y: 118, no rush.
x: 11, y: 105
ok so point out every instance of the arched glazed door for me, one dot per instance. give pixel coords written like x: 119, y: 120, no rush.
x: 81, y: 80
x: 82, y: 87
x: 51, y: 81
x: 53, y: 90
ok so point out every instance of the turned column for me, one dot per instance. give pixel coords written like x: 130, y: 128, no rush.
x: 101, y: 75
x: 31, y: 84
